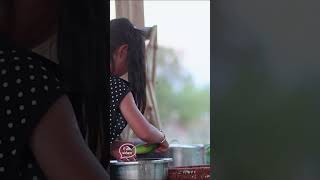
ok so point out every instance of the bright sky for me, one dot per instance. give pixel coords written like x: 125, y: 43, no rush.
x: 184, y: 26
x: 112, y: 10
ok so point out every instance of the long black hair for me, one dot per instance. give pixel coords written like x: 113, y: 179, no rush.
x: 123, y: 32
x: 6, y: 17
x: 82, y: 51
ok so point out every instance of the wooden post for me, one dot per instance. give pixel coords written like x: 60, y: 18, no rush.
x: 131, y: 9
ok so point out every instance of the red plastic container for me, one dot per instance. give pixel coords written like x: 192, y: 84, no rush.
x: 189, y: 173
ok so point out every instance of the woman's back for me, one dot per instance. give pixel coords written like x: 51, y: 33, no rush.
x: 30, y: 84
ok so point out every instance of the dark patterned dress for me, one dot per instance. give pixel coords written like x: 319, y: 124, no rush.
x: 119, y: 89
x: 29, y: 85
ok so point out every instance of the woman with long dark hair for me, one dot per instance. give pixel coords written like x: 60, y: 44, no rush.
x: 53, y: 114
x: 127, y: 54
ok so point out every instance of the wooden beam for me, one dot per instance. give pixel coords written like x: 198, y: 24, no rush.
x: 131, y: 9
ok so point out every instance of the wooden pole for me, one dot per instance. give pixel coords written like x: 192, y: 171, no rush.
x: 131, y: 9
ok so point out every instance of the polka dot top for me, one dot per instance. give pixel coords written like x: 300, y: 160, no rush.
x: 119, y: 89
x: 29, y: 85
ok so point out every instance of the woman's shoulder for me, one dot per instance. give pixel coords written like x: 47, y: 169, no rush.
x: 119, y: 88
x: 119, y: 82
x: 29, y: 85
x: 24, y: 61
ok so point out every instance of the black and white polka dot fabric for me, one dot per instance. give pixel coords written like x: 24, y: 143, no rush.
x: 119, y: 89
x: 29, y: 85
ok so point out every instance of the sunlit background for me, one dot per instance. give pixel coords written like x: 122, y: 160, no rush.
x: 183, y: 66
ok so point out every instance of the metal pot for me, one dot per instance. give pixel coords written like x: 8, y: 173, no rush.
x: 142, y: 169
x: 186, y: 155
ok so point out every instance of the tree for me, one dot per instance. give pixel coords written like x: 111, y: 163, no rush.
x: 176, y: 92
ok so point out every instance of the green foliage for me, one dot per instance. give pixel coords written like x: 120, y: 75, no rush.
x: 176, y: 92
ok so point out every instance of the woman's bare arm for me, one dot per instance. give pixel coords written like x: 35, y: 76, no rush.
x: 140, y: 126
x: 60, y: 149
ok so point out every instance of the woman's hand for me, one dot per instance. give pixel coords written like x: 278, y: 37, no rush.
x: 163, y: 147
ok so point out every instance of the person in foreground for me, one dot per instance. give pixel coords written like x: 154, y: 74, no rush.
x: 127, y: 51
x: 41, y: 135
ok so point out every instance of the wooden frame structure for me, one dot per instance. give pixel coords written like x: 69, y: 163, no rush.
x: 131, y: 9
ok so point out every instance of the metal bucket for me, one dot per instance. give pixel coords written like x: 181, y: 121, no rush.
x: 186, y: 155
x: 142, y: 169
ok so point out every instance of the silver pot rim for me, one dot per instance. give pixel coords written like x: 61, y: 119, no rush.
x: 140, y: 161
x: 186, y: 146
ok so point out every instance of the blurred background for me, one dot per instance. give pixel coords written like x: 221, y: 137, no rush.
x: 266, y: 82
x: 183, y: 67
